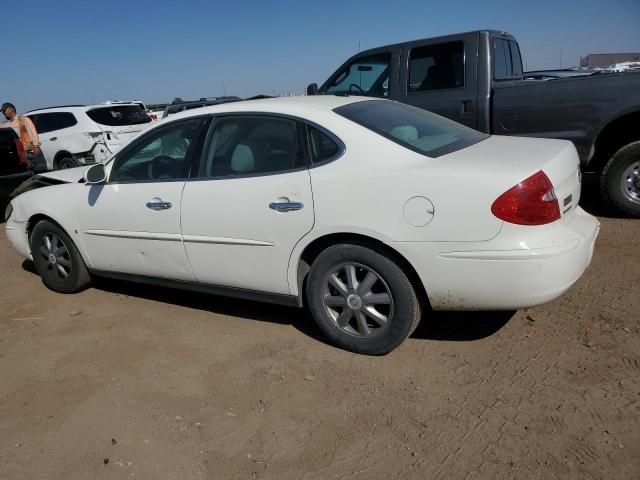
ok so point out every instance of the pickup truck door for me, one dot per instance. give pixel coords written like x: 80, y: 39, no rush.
x: 440, y: 75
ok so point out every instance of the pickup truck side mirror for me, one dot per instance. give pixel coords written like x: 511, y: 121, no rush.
x: 312, y: 89
x: 95, y: 174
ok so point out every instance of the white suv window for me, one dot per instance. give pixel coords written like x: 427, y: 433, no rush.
x: 119, y: 115
x: 50, y: 122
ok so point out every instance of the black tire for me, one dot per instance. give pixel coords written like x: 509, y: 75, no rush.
x: 66, y: 162
x: 67, y: 258
x: 403, y: 311
x: 620, y: 170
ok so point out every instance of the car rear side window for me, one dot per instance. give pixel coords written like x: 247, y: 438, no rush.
x: 50, y: 122
x: 436, y: 67
x: 242, y: 145
x: 322, y: 147
x: 411, y: 127
x: 119, y: 115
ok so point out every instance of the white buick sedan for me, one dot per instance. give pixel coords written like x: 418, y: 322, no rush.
x: 368, y: 212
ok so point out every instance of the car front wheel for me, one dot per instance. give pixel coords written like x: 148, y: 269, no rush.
x: 361, y: 300
x: 57, y: 259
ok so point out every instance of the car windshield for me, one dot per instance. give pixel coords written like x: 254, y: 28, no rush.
x: 119, y: 115
x: 421, y: 131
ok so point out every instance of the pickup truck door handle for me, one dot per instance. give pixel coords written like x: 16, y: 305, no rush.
x: 286, y: 206
x: 466, y: 109
x: 158, y: 204
x: 53, y: 139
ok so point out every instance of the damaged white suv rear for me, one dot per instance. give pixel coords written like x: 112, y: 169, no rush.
x: 76, y: 135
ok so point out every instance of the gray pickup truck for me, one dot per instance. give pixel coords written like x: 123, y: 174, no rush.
x: 476, y: 78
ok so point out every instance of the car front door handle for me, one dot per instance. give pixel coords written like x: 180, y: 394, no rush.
x: 158, y: 204
x: 286, y: 206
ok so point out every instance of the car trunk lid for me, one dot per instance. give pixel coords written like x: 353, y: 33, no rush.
x: 515, y: 159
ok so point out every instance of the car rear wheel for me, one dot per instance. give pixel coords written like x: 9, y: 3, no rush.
x: 66, y: 162
x: 361, y: 300
x: 620, y: 181
x: 57, y: 259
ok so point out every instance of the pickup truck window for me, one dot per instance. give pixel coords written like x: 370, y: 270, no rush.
x: 435, y: 67
x: 411, y: 127
x: 507, y: 64
x: 364, y: 76
x: 50, y: 122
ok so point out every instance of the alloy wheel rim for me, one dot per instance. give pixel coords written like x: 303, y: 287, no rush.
x: 630, y: 182
x: 56, y: 255
x: 357, y: 300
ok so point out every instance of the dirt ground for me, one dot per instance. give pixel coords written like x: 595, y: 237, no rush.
x: 123, y: 381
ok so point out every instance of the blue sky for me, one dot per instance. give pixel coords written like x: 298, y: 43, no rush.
x: 72, y: 51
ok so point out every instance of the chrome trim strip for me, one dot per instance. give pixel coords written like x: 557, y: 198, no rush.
x: 170, y: 237
x: 225, y: 241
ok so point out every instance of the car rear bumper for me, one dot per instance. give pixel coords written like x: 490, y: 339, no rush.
x: 469, y: 278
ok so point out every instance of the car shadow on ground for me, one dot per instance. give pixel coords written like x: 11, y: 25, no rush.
x: 461, y: 326
x: 447, y: 326
x: 592, y: 201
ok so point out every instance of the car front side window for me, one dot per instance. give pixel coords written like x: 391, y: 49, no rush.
x: 162, y: 155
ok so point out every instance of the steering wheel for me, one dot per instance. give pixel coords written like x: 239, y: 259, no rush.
x: 357, y: 87
x: 160, y: 165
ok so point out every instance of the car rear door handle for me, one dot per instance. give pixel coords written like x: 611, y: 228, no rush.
x: 158, y: 204
x: 286, y: 206
x: 53, y: 139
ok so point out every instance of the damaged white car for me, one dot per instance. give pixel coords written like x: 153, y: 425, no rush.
x: 76, y: 135
x: 367, y: 212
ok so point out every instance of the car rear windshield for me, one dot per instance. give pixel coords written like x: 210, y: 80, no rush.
x: 118, y: 116
x: 421, y: 131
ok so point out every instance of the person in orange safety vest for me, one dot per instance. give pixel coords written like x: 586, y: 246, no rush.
x: 24, y: 128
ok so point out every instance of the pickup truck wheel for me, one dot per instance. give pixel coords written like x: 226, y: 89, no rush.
x: 620, y: 181
x: 57, y: 259
x: 361, y: 300
x: 66, y: 162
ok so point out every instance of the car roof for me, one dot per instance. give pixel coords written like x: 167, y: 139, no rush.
x: 293, y: 105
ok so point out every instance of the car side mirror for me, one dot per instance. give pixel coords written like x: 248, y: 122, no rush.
x: 312, y: 89
x: 95, y: 174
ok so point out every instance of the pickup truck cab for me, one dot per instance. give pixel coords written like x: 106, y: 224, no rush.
x: 476, y: 78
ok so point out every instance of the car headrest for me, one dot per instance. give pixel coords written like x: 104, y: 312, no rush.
x: 243, y: 159
x: 405, y: 133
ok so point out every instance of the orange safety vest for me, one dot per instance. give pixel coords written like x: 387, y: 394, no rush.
x: 25, y: 135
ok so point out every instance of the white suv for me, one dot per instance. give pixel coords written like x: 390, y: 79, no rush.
x: 79, y: 135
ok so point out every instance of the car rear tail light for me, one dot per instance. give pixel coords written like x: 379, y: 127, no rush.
x: 531, y: 202
x: 21, y: 153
